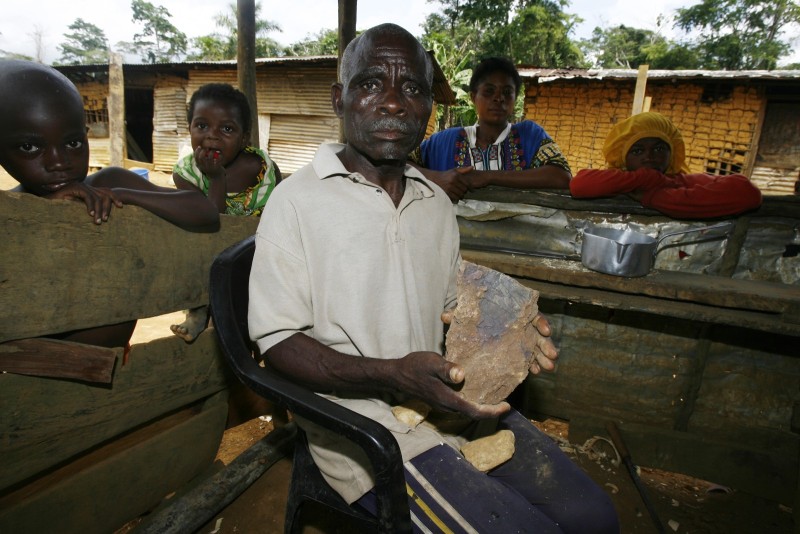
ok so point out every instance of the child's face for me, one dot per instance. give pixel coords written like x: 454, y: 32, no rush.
x: 43, y: 144
x: 650, y: 152
x: 217, y: 126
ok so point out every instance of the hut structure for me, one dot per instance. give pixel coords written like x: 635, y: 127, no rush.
x: 294, y: 107
x: 732, y: 121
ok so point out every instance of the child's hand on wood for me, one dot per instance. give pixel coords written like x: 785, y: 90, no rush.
x: 209, y: 161
x: 98, y: 200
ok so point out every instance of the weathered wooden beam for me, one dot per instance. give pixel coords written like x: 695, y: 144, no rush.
x: 44, y: 422
x: 60, y: 272
x: 347, y: 15
x: 246, y: 60
x: 638, y: 92
x: 59, y: 359
x: 190, y: 511
x: 101, y: 491
x: 116, y: 111
x: 718, y: 291
x: 613, y: 300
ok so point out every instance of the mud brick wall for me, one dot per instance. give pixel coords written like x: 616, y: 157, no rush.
x: 719, y: 121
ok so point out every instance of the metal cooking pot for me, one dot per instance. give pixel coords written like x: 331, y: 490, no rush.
x: 626, y: 252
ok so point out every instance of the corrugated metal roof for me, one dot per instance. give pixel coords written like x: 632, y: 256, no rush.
x: 442, y: 92
x: 549, y: 75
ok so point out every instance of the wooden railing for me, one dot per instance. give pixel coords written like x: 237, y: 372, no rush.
x: 89, y: 455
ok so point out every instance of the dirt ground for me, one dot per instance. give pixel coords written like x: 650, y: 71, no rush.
x: 683, y: 504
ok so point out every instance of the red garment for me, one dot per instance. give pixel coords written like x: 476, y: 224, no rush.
x: 691, y: 196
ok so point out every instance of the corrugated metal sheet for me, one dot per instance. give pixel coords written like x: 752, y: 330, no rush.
x: 548, y: 75
x: 294, y: 139
x: 286, y: 90
x: 169, y: 121
x: 776, y: 181
x: 198, y: 78
x: 296, y: 91
x: 99, y: 152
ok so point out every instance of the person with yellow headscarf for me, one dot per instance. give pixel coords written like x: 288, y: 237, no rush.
x: 646, y: 158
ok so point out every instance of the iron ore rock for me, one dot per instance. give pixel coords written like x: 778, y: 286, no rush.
x: 491, y: 333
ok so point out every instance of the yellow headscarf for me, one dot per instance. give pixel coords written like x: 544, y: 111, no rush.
x: 649, y: 124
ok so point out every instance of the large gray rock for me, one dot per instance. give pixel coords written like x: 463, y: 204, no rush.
x: 491, y: 334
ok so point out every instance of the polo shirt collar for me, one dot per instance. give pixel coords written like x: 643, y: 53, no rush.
x: 326, y: 164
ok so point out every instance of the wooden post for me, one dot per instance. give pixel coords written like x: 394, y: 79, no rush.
x: 246, y: 61
x: 347, y: 31
x: 638, y: 95
x: 116, y: 111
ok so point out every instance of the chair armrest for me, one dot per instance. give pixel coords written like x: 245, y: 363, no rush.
x: 377, y: 442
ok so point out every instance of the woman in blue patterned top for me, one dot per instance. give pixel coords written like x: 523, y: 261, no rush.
x: 494, y: 151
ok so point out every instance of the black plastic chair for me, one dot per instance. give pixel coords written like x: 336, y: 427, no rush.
x: 230, y: 274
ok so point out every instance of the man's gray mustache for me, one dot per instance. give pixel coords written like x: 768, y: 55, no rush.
x: 391, y: 124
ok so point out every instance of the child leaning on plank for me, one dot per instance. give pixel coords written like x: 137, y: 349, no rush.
x: 44, y: 146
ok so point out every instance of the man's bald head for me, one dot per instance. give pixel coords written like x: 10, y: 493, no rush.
x: 366, y: 39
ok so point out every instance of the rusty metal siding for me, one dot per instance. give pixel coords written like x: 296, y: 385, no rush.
x: 281, y: 90
x: 170, y: 129
x: 198, y: 78
x: 294, y: 139
x: 296, y: 91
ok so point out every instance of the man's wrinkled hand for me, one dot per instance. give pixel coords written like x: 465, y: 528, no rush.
x: 543, y: 349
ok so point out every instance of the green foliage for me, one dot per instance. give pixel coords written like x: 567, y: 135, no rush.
x: 159, y: 41
x: 739, y: 34
x: 538, y: 35
x: 623, y: 47
x: 211, y: 47
x: 86, y: 44
x: 455, y: 66
x: 325, y: 42
x: 225, y: 45
x: 533, y: 32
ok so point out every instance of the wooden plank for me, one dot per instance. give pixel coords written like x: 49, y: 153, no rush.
x: 101, y: 491
x: 246, y: 60
x: 638, y: 93
x: 718, y: 291
x: 763, y: 321
x: 116, y: 111
x: 189, y: 511
x: 59, y: 359
x: 44, y: 422
x: 47, y: 245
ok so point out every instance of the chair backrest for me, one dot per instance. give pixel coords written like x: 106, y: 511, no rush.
x: 228, y: 300
x: 231, y: 284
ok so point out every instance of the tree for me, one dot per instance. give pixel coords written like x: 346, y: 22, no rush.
x: 739, y: 34
x: 325, y: 42
x: 37, y: 36
x: 533, y: 32
x: 224, y: 45
x: 159, y: 40
x: 86, y: 44
x: 623, y: 47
